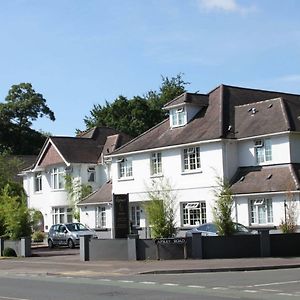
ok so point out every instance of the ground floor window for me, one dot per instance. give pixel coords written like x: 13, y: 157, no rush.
x: 62, y: 215
x: 261, y: 211
x: 100, y: 217
x: 193, y: 213
x: 135, y: 215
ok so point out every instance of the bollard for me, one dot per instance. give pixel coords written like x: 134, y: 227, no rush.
x: 132, y: 246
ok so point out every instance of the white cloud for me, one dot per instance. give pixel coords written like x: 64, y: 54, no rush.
x: 225, y: 5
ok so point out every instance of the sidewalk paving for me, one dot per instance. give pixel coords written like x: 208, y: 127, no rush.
x: 70, y: 265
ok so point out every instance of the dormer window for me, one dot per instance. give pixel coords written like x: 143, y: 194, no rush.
x: 178, y: 117
x: 91, y: 174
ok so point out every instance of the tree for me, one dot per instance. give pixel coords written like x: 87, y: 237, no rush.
x: 136, y: 115
x: 22, y: 106
x: 15, y: 217
x: 222, y: 211
x: 289, y: 223
x: 160, y: 209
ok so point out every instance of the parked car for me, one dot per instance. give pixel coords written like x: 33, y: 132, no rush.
x: 210, y: 229
x: 68, y: 234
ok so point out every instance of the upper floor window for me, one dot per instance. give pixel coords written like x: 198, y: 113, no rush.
x: 178, y: 117
x: 38, y: 182
x: 261, y: 211
x: 100, y: 217
x: 156, y: 167
x: 263, y: 151
x: 91, y: 174
x: 57, y: 178
x: 125, y: 168
x: 191, y: 159
x: 193, y: 213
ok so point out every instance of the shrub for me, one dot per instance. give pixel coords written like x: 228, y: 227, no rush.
x: 9, y: 252
x: 38, y: 236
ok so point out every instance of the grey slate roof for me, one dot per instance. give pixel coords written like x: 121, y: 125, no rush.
x: 265, y: 179
x: 102, y: 195
x: 88, y: 146
x: 224, y: 118
x: 196, y: 99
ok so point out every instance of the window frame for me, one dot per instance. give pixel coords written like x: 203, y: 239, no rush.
x: 135, y: 215
x: 263, y: 151
x: 38, y: 182
x: 125, y: 168
x: 91, y: 174
x: 101, y: 217
x: 178, y: 116
x: 191, y: 156
x: 57, y: 180
x: 261, y: 211
x: 156, y: 164
x: 61, y: 214
x: 193, y: 213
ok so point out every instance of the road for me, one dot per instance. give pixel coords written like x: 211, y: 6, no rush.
x: 271, y: 284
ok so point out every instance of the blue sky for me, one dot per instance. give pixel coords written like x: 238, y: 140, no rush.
x: 79, y: 53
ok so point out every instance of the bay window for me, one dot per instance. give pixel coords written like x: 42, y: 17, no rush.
x: 193, y: 213
x: 261, y: 211
x: 57, y: 178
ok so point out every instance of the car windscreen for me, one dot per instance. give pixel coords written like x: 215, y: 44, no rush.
x: 76, y: 227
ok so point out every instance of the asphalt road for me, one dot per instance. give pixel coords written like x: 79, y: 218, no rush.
x: 272, y: 284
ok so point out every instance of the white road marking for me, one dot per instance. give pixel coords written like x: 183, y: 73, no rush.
x: 171, y: 284
x: 196, y: 286
x: 104, y: 279
x: 220, y: 288
x: 249, y: 291
x: 285, y: 294
x: 11, y: 298
x: 276, y: 283
x: 270, y: 290
x: 126, y: 281
x: 148, y: 282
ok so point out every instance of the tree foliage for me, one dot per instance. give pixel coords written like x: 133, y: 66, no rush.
x: 15, y: 217
x: 222, y: 211
x: 136, y: 115
x: 160, y: 209
x: 22, y: 106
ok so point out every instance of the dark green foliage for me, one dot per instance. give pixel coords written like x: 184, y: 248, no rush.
x: 22, y: 106
x: 222, y: 211
x: 9, y: 252
x: 135, y: 116
x: 15, y: 218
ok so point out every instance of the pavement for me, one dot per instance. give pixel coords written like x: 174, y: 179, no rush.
x: 66, y: 262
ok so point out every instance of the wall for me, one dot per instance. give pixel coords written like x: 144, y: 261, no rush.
x: 280, y: 151
x: 295, y: 146
x: 187, y: 186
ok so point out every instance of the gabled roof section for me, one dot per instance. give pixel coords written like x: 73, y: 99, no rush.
x: 85, y: 148
x: 188, y: 98
x: 225, y: 116
x: 102, y: 195
x: 266, y: 179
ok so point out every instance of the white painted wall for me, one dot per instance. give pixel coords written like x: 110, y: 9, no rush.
x: 280, y: 151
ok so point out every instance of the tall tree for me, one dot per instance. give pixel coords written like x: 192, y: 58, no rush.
x: 22, y: 106
x: 136, y: 115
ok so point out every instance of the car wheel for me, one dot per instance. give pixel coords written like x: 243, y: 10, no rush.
x: 70, y: 244
x: 50, y: 244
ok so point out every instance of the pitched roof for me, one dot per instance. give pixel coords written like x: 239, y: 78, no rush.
x: 86, y: 147
x: 191, y: 98
x: 102, y: 195
x: 265, y: 179
x: 224, y: 118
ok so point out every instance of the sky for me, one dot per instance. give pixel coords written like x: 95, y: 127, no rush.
x: 78, y: 53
